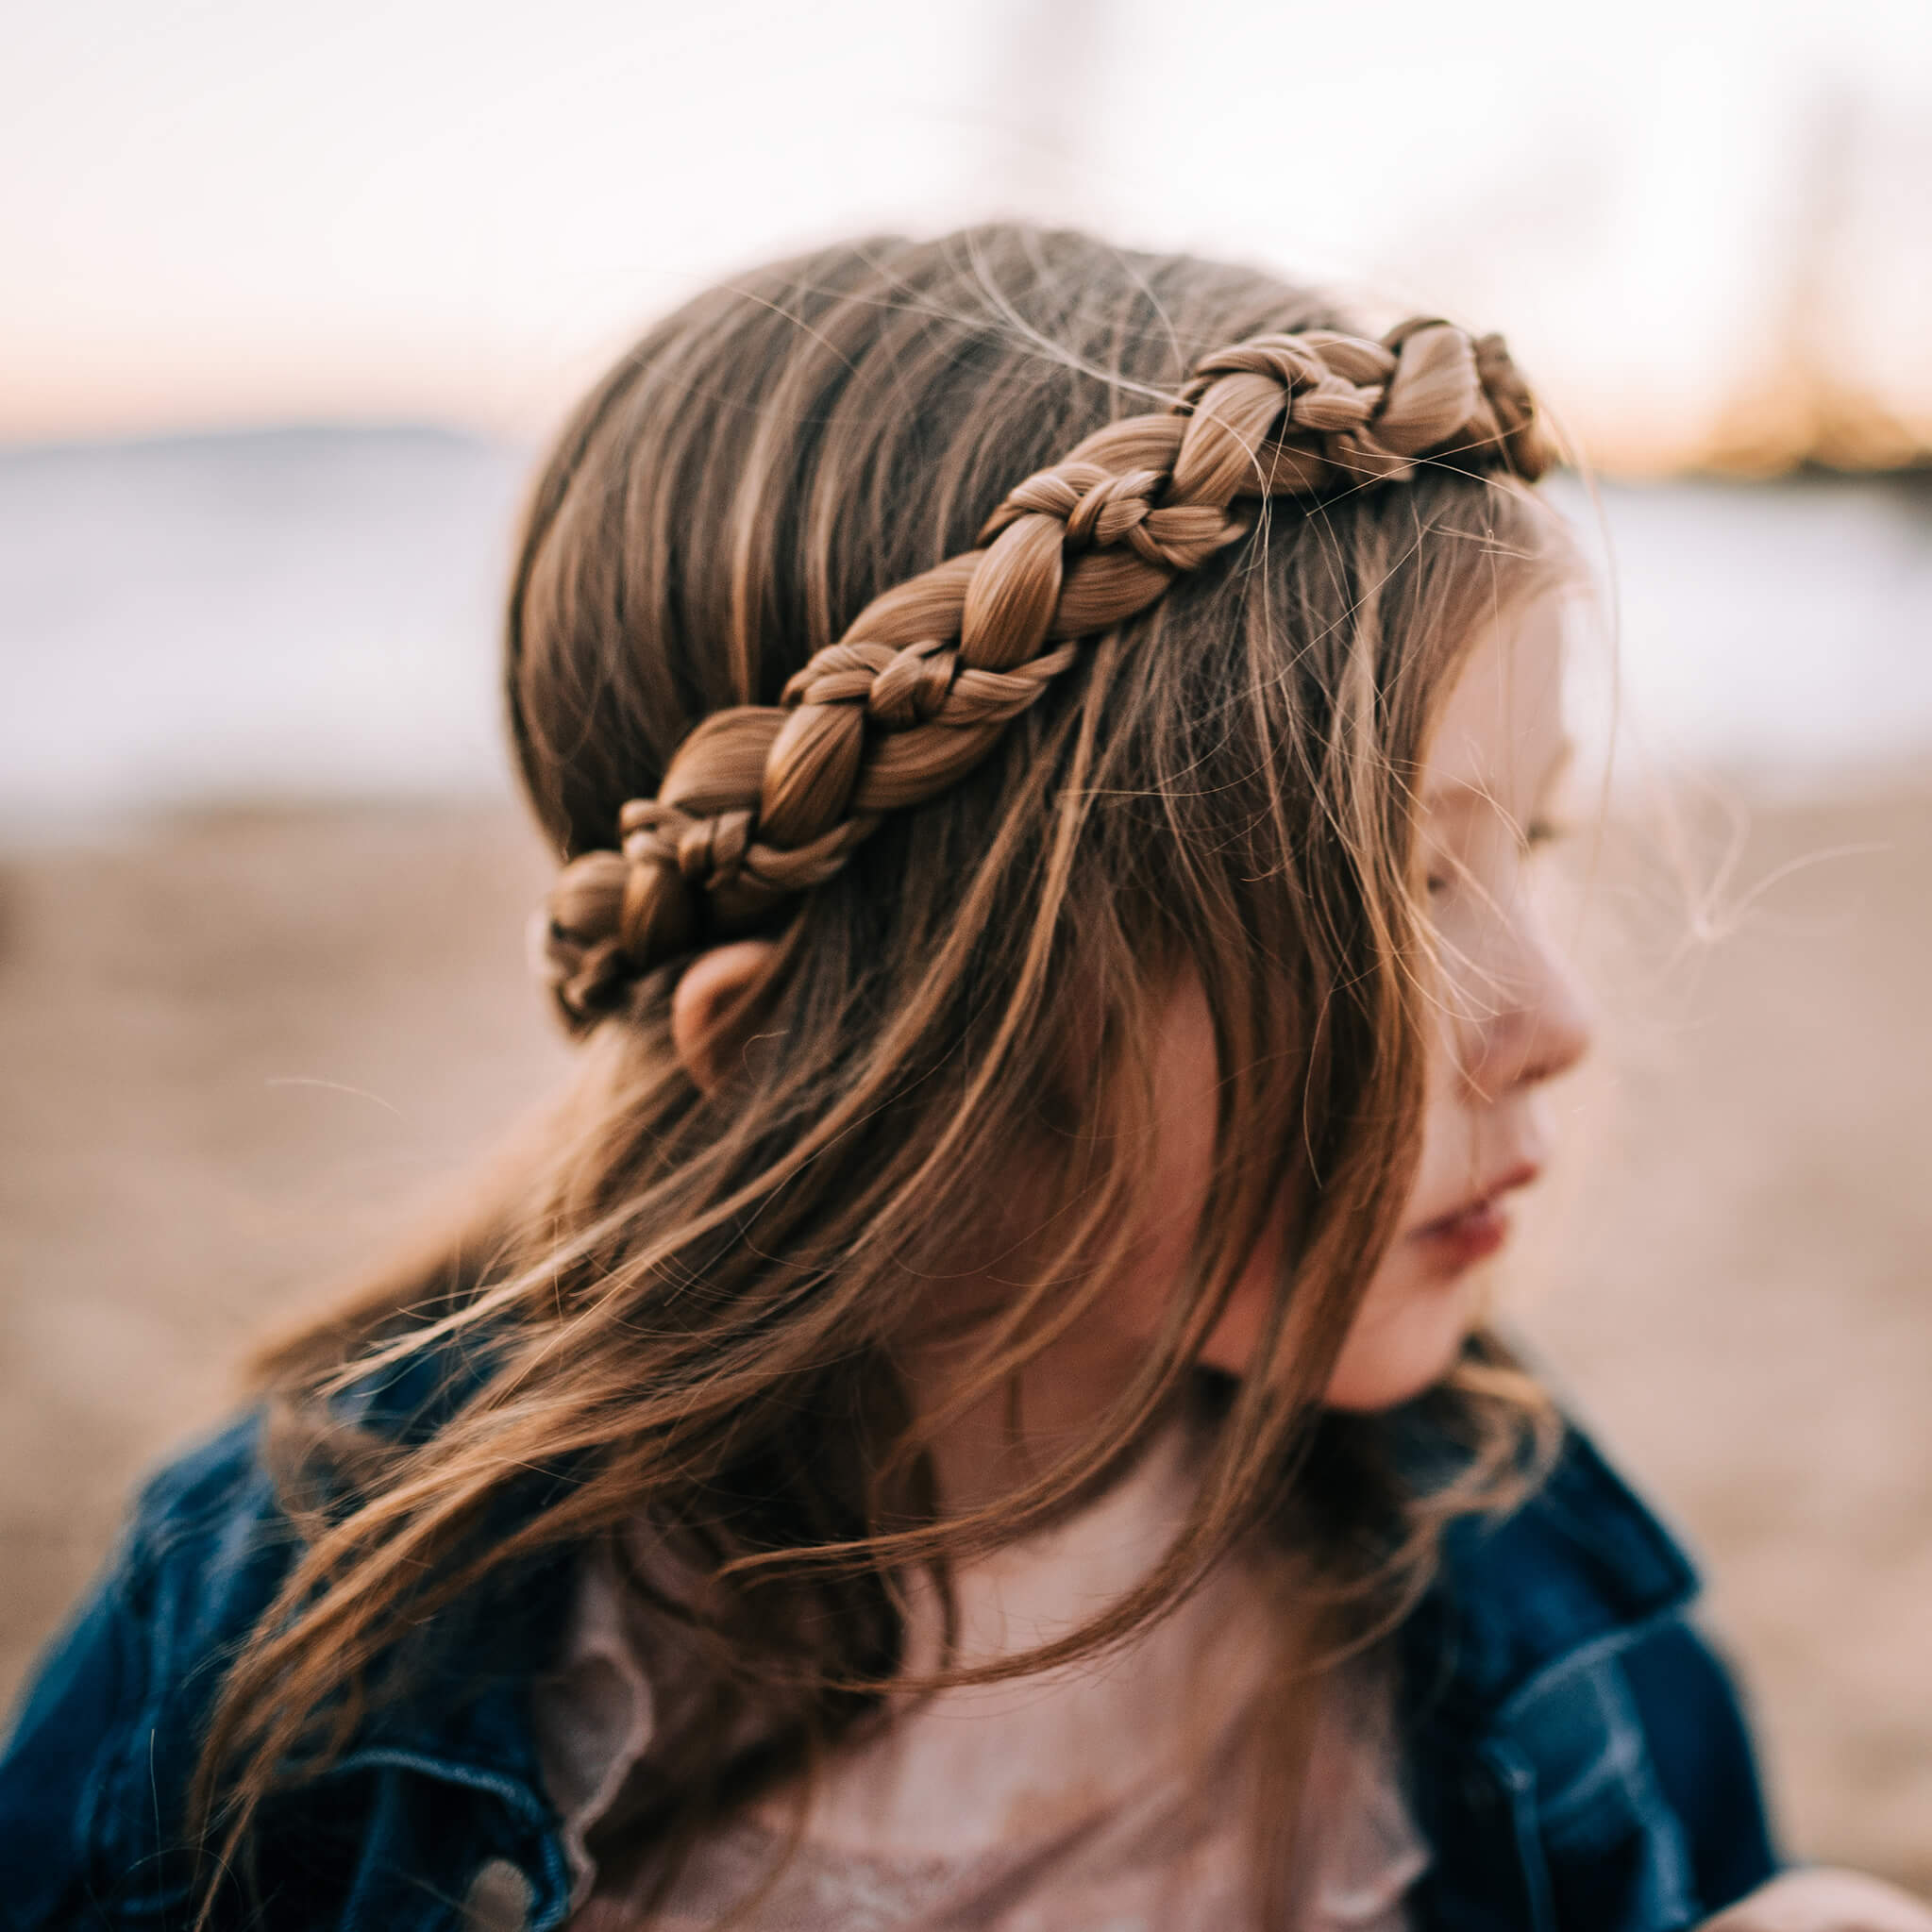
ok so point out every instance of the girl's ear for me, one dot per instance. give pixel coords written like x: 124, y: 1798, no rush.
x: 712, y: 1009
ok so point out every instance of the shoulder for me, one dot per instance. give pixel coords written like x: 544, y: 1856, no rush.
x: 1584, y: 1562
x: 204, y: 1549
x: 1576, y: 1735
x: 101, y: 1753
x: 208, y: 1543
x: 109, y: 1719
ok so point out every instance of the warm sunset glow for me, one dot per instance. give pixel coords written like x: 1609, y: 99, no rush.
x: 1705, y: 227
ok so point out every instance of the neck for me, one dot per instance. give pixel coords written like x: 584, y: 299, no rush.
x: 1045, y: 1587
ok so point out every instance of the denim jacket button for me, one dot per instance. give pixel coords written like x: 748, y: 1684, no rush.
x: 498, y: 1899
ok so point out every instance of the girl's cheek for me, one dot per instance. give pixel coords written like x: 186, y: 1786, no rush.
x: 1405, y: 1338
x: 1232, y: 1343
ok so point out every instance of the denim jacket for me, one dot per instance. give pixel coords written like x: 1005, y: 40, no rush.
x: 1575, y: 1754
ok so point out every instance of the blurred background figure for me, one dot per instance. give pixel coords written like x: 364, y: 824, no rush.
x: 291, y: 296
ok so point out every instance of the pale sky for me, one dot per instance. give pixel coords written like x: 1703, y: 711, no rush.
x: 221, y: 211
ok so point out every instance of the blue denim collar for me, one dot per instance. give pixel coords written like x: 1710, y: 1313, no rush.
x: 1583, y: 1566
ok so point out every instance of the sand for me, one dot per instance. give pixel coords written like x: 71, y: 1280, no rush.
x: 234, y: 1050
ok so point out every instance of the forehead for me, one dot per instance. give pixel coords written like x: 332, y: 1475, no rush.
x: 1501, y: 731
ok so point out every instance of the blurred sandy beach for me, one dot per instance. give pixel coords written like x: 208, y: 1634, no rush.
x: 235, y: 1049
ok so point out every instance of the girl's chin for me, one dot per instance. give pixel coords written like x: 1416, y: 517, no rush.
x: 1402, y: 1343
x: 1406, y: 1337
x: 1405, y: 1340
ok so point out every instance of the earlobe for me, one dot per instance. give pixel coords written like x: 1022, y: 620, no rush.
x: 709, y: 1008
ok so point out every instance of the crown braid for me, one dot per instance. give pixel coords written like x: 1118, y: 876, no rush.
x: 762, y: 803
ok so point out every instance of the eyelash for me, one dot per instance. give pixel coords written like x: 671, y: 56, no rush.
x: 1536, y: 834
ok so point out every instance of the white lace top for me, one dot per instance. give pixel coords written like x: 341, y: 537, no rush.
x: 1053, y: 1804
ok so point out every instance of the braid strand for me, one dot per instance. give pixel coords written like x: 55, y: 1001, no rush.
x: 760, y: 803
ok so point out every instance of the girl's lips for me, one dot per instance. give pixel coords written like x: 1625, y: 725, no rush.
x: 1472, y: 1235
x: 1476, y: 1229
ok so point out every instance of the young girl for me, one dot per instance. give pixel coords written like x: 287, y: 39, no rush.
x: 975, y: 1410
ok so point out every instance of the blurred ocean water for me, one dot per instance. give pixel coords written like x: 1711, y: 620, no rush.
x: 1776, y: 634
x: 312, y: 614
x: 279, y: 616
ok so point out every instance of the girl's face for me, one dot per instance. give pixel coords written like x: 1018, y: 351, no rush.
x: 1509, y: 1020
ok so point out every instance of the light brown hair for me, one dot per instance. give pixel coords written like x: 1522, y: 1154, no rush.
x: 695, y: 1307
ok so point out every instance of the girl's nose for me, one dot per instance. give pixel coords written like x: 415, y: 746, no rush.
x: 1528, y: 1023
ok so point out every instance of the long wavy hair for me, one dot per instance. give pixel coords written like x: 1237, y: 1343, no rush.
x: 697, y: 1309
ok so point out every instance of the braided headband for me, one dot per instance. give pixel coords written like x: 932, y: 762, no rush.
x: 762, y: 803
